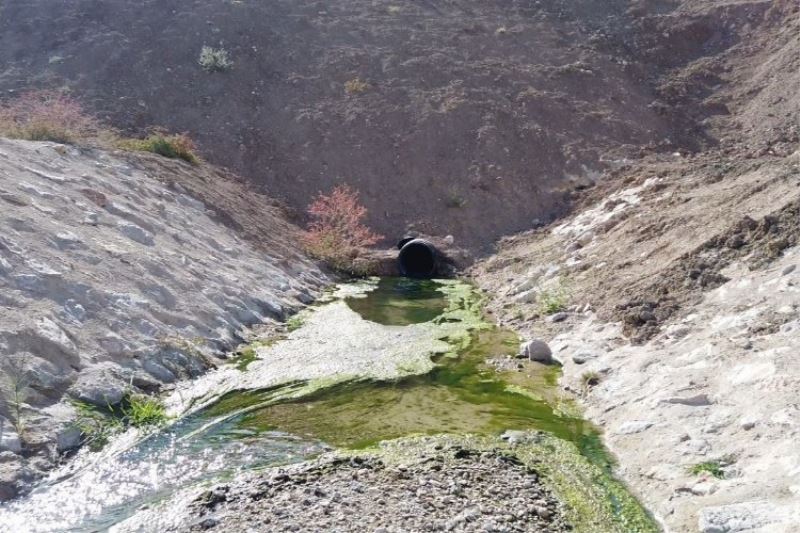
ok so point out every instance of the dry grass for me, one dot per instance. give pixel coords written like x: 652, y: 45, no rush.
x: 47, y: 115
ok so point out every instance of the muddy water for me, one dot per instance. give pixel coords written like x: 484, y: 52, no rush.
x: 435, y: 371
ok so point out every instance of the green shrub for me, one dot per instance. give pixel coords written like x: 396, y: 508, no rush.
x: 215, y: 59
x: 553, y: 299
x: 135, y: 410
x: 714, y: 468
x: 174, y: 146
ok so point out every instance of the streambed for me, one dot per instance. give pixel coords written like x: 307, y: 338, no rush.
x: 374, y: 361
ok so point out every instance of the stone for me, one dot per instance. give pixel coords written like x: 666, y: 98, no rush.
x: 536, y: 350
x: 745, y: 516
x: 558, y: 317
x: 135, y: 233
x: 695, y: 400
x: 68, y: 439
x: 582, y: 357
x: 633, y: 426
x: 9, y: 439
x: 788, y: 270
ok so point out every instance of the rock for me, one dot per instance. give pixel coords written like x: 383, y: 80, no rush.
x: 100, y: 385
x: 736, y: 517
x: 68, y: 439
x: 585, y: 238
x: 9, y: 439
x: 695, y: 400
x: 558, y: 317
x: 747, y: 423
x: 67, y: 239
x: 135, y: 233
x: 582, y: 357
x: 788, y: 270
x: 536, y: 350
x: 633, y: 426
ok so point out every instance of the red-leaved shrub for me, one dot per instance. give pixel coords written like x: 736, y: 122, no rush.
x: 47, y: 116
x: 336, y: 233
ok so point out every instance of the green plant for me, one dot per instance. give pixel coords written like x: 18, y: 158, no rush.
x: 295, y: 322
x: 455, y: 200
x: 214, y: 59
x: 714, y: 468
x: 553, y: 299
x: 174, y: 146
x: 143, y: 411
x: 98, y: 424
x: 356, y: 86
x: 15, y: 390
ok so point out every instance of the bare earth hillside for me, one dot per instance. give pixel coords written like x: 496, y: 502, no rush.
x: 471, y: 118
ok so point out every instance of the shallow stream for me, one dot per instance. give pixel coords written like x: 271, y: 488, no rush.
x: 375, y: 360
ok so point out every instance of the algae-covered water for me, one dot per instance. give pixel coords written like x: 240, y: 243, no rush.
x: 375, y: 360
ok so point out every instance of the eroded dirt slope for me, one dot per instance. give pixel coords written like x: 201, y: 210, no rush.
x: 470, y: 118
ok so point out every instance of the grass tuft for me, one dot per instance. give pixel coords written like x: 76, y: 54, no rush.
x: 98, y: 424
x: 173, y: 146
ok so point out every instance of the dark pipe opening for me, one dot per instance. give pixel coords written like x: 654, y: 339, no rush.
x: 417, y: 259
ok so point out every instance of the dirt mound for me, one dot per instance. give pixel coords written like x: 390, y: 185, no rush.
x: 470, y: 118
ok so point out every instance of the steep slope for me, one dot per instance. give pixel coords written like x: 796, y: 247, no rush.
x: 121, y: 272
x: 470, y: 118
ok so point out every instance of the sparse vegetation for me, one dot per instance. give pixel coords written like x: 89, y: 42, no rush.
x: 553, y: 299
x: 215, y: 59
x: 336, y: 233
x: 47, y: 116
x: 295, y: 322
x: 174, y: 146
x: 356, y: 86
x: 714, y: 468
x: 589, y: 379
x: 455, y: 200
x: 135, y: 410
x: 14, y: 391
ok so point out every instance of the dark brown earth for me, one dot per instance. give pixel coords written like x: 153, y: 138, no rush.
x: 476, y: 118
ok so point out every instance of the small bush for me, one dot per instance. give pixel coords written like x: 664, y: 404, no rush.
x: 215, y: 59
x: 455, y: 200
x: 553, y: 300
x: 98, y: 425
x: 143, y: 411
x: 356, y: 86
x: 174, y: 146
x: 47, y: 116
x: 708, y: 467
x: 336, y: 233
x: 714, y: 468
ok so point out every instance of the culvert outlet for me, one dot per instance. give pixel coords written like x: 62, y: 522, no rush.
x: 418, y: 259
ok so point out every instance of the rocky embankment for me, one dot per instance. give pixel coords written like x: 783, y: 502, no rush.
x: 122, y: 272
x: 673, y: 304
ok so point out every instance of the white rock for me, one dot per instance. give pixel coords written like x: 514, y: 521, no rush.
x: 740, y: 517
x: 9, y: 439
x: 633, y: 426
x: 136, y: 233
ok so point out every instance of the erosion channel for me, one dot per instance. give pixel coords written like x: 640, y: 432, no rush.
x: 390, y: 372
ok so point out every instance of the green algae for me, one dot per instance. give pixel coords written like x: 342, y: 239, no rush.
x: 461, y: 395
x: 400, y: 302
